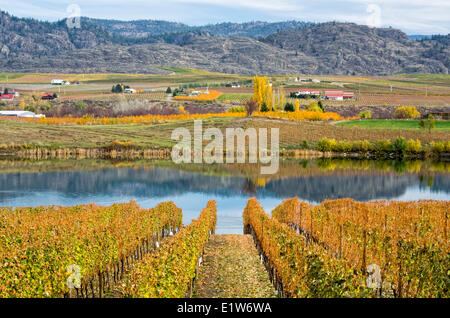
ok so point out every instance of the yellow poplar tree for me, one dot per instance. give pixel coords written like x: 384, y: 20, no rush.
x: 263, y: 91
x: 281, y: 98
x: 297, y: 105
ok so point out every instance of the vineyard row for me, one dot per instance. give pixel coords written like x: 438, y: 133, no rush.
x: 405, y: 244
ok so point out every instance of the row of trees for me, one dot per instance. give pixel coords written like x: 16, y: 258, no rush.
x: 119, y: 88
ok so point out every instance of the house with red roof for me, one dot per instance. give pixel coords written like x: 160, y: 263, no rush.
x: 349, y: 95
x: 7, y: 97
x: 339, y: 95
x: 334, y: 95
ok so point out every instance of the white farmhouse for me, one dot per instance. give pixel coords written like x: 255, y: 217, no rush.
x: 58, y: 82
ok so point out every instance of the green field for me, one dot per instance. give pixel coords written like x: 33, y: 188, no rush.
x: 9, y: 76
x: 441, y: 125
x: 234, y: 97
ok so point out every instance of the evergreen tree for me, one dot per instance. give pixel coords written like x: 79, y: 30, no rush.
x: 119, y: 88
x: 264, y: 107
x: 321, y: 106
x: 289, y: 107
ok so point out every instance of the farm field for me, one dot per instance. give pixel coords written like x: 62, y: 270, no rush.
x: 158, y: 135
x: 235, y: 97
x: 441, y: 125
x: 174, y: 76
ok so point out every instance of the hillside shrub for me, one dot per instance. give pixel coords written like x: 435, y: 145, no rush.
x: 383, y: 146
x: 438, y: 147
x: 366, y: 114
x: 304, y: 144
x: 80, y: 106
x: 314, y: 107
x: 406, y: 112
x: 361, y: 146
x: 414, y: 146
x: 400, y: 145
x: 326, y: 145
x: 237, y: 109
x: 343, y: 146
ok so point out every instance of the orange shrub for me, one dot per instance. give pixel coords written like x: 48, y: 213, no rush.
x: 213, y: 95
x: 300, y: 115
x: 147, y: 119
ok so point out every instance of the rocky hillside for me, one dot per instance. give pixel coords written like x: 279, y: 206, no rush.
x: 31, y: 38
x: 147, y: 28
x: 361, y: 49
x: 329, y: 48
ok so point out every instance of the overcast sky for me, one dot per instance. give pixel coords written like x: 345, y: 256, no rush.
x: 411, y: 16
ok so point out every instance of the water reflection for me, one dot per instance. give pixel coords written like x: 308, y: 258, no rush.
x: 191, y: 190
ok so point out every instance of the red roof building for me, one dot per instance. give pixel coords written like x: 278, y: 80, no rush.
x: 7, y: 97
x: 349, y: 95
x: 339, y: 95
x: 334, y: 95
x: 334, y: 92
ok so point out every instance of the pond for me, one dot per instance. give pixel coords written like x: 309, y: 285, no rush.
x: 190, y: 187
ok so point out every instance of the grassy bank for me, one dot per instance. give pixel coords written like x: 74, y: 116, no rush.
x: 23, y: 135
